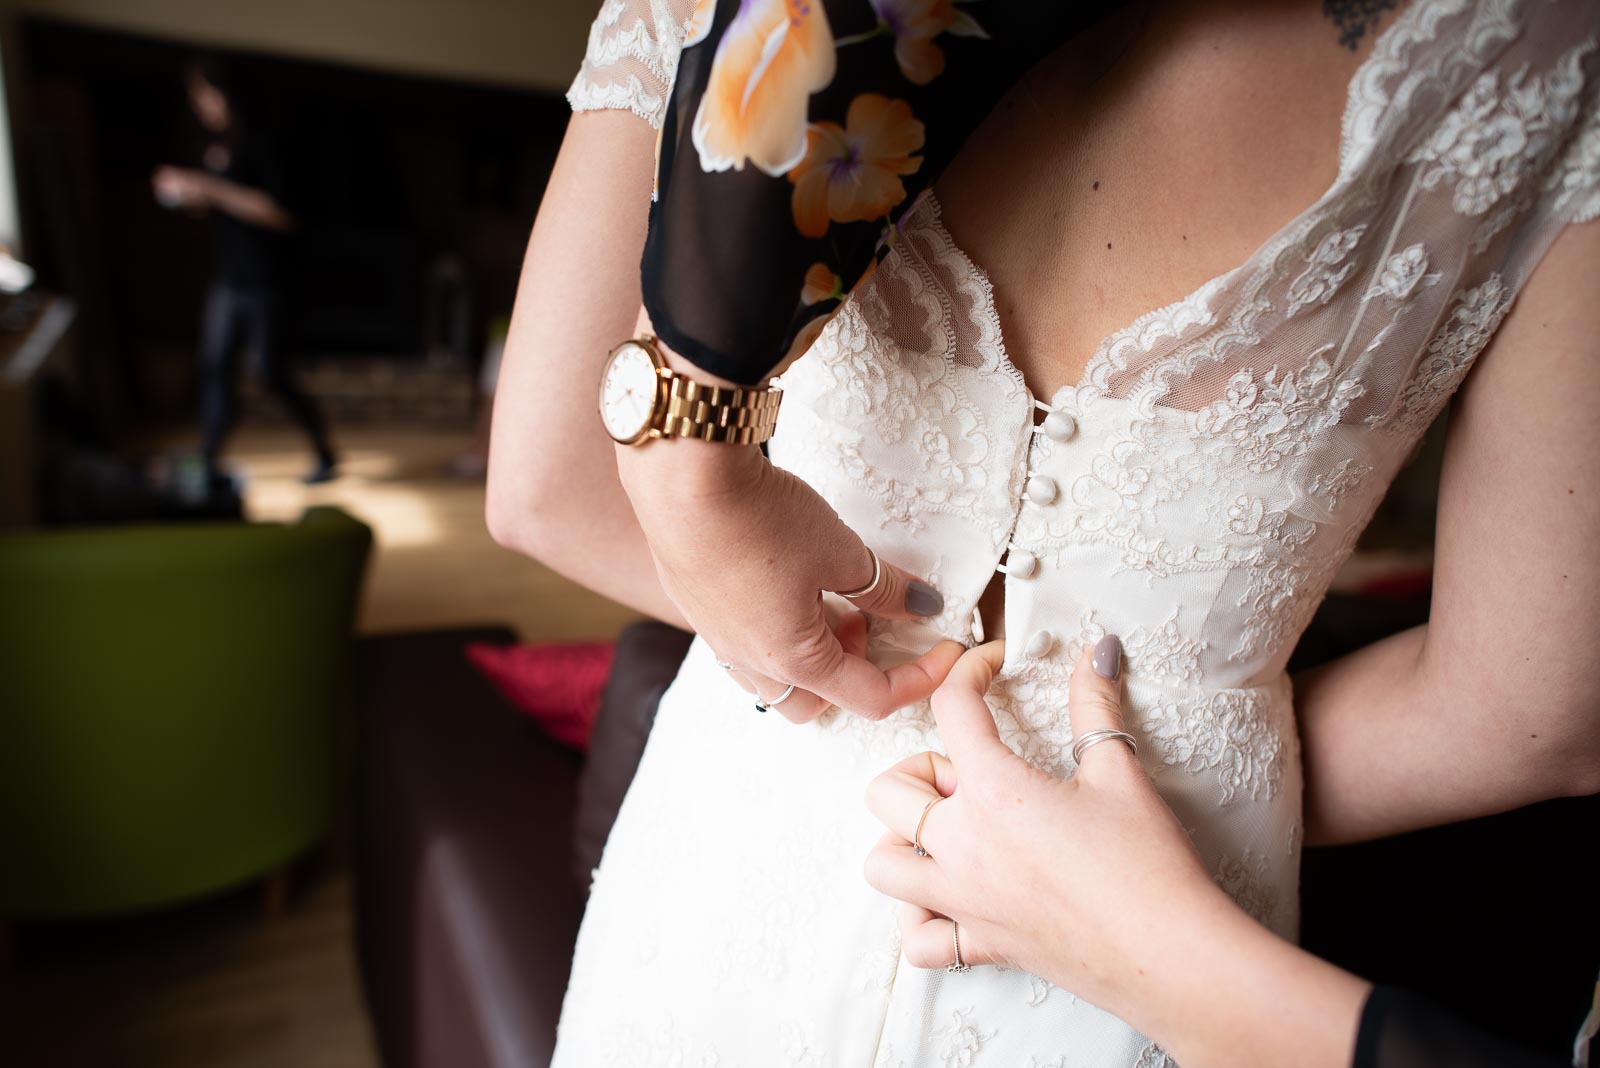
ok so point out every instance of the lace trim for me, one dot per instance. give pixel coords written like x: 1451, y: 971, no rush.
x: 586, y: 95
x: 627, y: 49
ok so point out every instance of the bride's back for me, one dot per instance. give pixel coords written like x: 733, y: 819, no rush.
x: 1151, y: 154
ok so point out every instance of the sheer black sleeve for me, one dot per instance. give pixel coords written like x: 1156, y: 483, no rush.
x: 1401, y: 1030
x: 796, y: 134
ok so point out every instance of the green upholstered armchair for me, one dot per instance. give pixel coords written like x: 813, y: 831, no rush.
x: 172, y: 700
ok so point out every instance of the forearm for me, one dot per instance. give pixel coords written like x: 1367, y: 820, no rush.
x: 254, y: 206
x: 1218, y: 989
x: 1394, y: 741
x: 554, y: 492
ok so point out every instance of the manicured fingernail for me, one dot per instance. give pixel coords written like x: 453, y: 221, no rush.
x: 923, y: 600
x: 1107, y: 659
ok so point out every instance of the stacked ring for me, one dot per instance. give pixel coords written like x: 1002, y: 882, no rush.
x: 1093, y: 738
x: 957, y: 965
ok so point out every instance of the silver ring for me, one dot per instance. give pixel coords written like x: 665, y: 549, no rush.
x: 768, y: 706
x: 1093, y: 738
x: 877, y: 577
x: 724, y: 665
x: 957, y: 965
x: 916, y: 839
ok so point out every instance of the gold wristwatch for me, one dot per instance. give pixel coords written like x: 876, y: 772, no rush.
x: 642, y: 398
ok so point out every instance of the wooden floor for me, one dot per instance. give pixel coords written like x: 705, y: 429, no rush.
x: 220, y: 984
x: 436, y: 564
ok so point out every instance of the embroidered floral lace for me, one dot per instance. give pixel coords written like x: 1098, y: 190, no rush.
x: 1194, y: 493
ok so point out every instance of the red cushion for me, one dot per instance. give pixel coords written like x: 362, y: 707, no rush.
x: 558, y: 684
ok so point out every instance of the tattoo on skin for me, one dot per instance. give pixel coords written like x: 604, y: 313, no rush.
x: 1354, y: 18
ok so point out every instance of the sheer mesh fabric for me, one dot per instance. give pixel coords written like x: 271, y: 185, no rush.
x: 1401, y: 1030
x: 725, y: 268
x: 1382, y: 293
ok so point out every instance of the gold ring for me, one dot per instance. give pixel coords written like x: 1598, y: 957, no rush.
x: 916, y: 841
x: 957, y: 965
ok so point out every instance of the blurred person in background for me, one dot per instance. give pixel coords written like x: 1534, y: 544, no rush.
x: 240, y: 188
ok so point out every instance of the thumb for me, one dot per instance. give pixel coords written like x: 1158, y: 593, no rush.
x: 1094, y: 702
x: 897, y: 593
x: 966, y: 726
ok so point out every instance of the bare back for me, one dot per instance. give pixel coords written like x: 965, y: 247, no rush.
x: 1142, y: 159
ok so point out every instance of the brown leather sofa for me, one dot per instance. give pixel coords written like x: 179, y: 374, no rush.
x: 474, y: 838
x: 476, y: 834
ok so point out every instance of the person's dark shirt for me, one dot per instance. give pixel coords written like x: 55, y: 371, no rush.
x: 249, y: 256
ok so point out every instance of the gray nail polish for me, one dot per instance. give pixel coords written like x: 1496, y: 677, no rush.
x: 923, y: 600
x: 1107, y: 659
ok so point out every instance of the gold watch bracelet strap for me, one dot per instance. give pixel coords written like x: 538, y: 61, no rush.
x: 718, y: 413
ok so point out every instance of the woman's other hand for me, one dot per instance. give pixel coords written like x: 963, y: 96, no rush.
x: 1092, y: 883
x: 179, y: 187
x: 1060, y: 878
x: 745, y: 550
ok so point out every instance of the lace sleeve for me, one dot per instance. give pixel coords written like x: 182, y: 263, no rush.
x: 632, y: 57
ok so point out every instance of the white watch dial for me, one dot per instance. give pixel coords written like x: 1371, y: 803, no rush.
x: 628, y: 392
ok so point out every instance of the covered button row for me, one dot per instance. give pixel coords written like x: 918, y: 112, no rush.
x: 1041, y: 490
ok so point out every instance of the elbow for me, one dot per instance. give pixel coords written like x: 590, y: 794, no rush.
x: 511, y: 512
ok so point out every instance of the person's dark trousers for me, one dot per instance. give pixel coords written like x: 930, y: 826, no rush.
x: 236, y: 319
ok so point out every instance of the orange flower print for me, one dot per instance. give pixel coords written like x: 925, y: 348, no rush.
x: 821, y: 284
x: 699, y: 22
x: 853, y: 173
x: 914, y: 24
x: 772, y: 57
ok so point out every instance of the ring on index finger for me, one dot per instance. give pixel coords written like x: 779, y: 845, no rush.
x: 916, y: 840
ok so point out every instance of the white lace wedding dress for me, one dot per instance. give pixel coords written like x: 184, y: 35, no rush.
x: 1194, y: 493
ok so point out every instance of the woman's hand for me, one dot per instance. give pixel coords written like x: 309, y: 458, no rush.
x: 1026, y: 862
x: 745, y: 551
x: 180, y: 187
x: 1092, y: 883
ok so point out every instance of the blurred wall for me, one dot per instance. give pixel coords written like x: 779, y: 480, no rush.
x: 9, y: 234
x: 534, y: 44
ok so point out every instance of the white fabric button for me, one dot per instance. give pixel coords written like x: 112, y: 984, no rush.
x: 1059, y: 426
x: 1020, y: 563
x: 1040, y: 644
x: 1040, y: 490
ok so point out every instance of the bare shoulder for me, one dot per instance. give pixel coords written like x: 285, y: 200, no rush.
x: 1160, y: 149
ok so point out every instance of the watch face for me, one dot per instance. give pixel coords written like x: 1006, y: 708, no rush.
x: 628, y: 392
